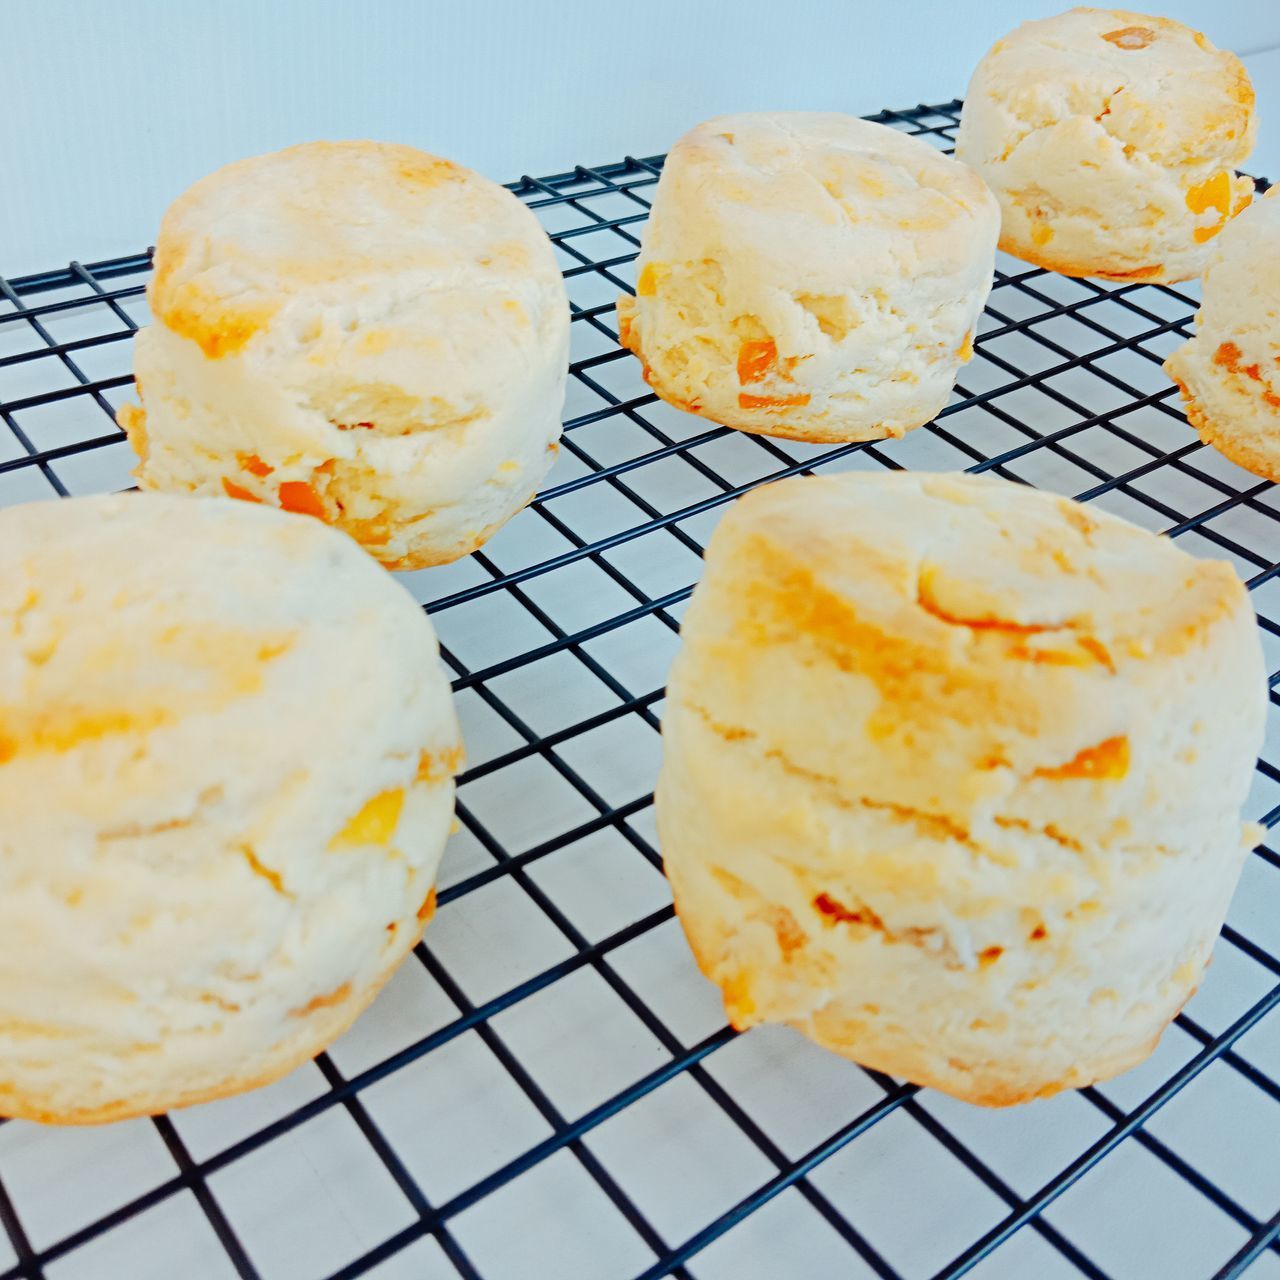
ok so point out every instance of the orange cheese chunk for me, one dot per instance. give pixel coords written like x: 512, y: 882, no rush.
x: 835, y: 910
x: 1228, y: 356
x: 222, y: 339
x: 1213, y: 193
x: 647, y: 284
x: 1130, y: 37
x: 756, y: 358
x: 1089, y: 652
x: 253, y: 464
x: 234, y: 490
x: 298, y: 496
x: 1097, y: 649
x: 770, y: 402
x: 1107, y: 761
x: 436, y: 767
x: 376, y: 821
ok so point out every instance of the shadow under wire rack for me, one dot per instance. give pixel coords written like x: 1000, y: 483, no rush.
x: 547, y: 1088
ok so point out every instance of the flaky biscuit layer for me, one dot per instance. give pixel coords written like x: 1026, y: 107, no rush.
x: 810, y: 275
x: 952, y: 775
x: 226, y: 759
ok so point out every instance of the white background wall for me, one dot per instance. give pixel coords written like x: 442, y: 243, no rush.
x: 109, y: 108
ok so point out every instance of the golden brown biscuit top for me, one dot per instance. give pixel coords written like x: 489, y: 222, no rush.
x: 950, y: 562
x: 356, y: 215
x: 1152, y: 83
x: 130, y: 613
x: 766, y: 175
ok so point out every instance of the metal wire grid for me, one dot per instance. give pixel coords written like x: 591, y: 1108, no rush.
x: 557, y: 635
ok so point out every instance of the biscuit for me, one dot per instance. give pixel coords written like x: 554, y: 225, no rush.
x: 952, y: 776
x: 1229, y: 372
x: 810, y: 275
x: 226, y: 758
x: 360, y: 332
x: 1110, y: 139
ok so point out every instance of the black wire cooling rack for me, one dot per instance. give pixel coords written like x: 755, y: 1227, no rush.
x: 548, y: 1089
